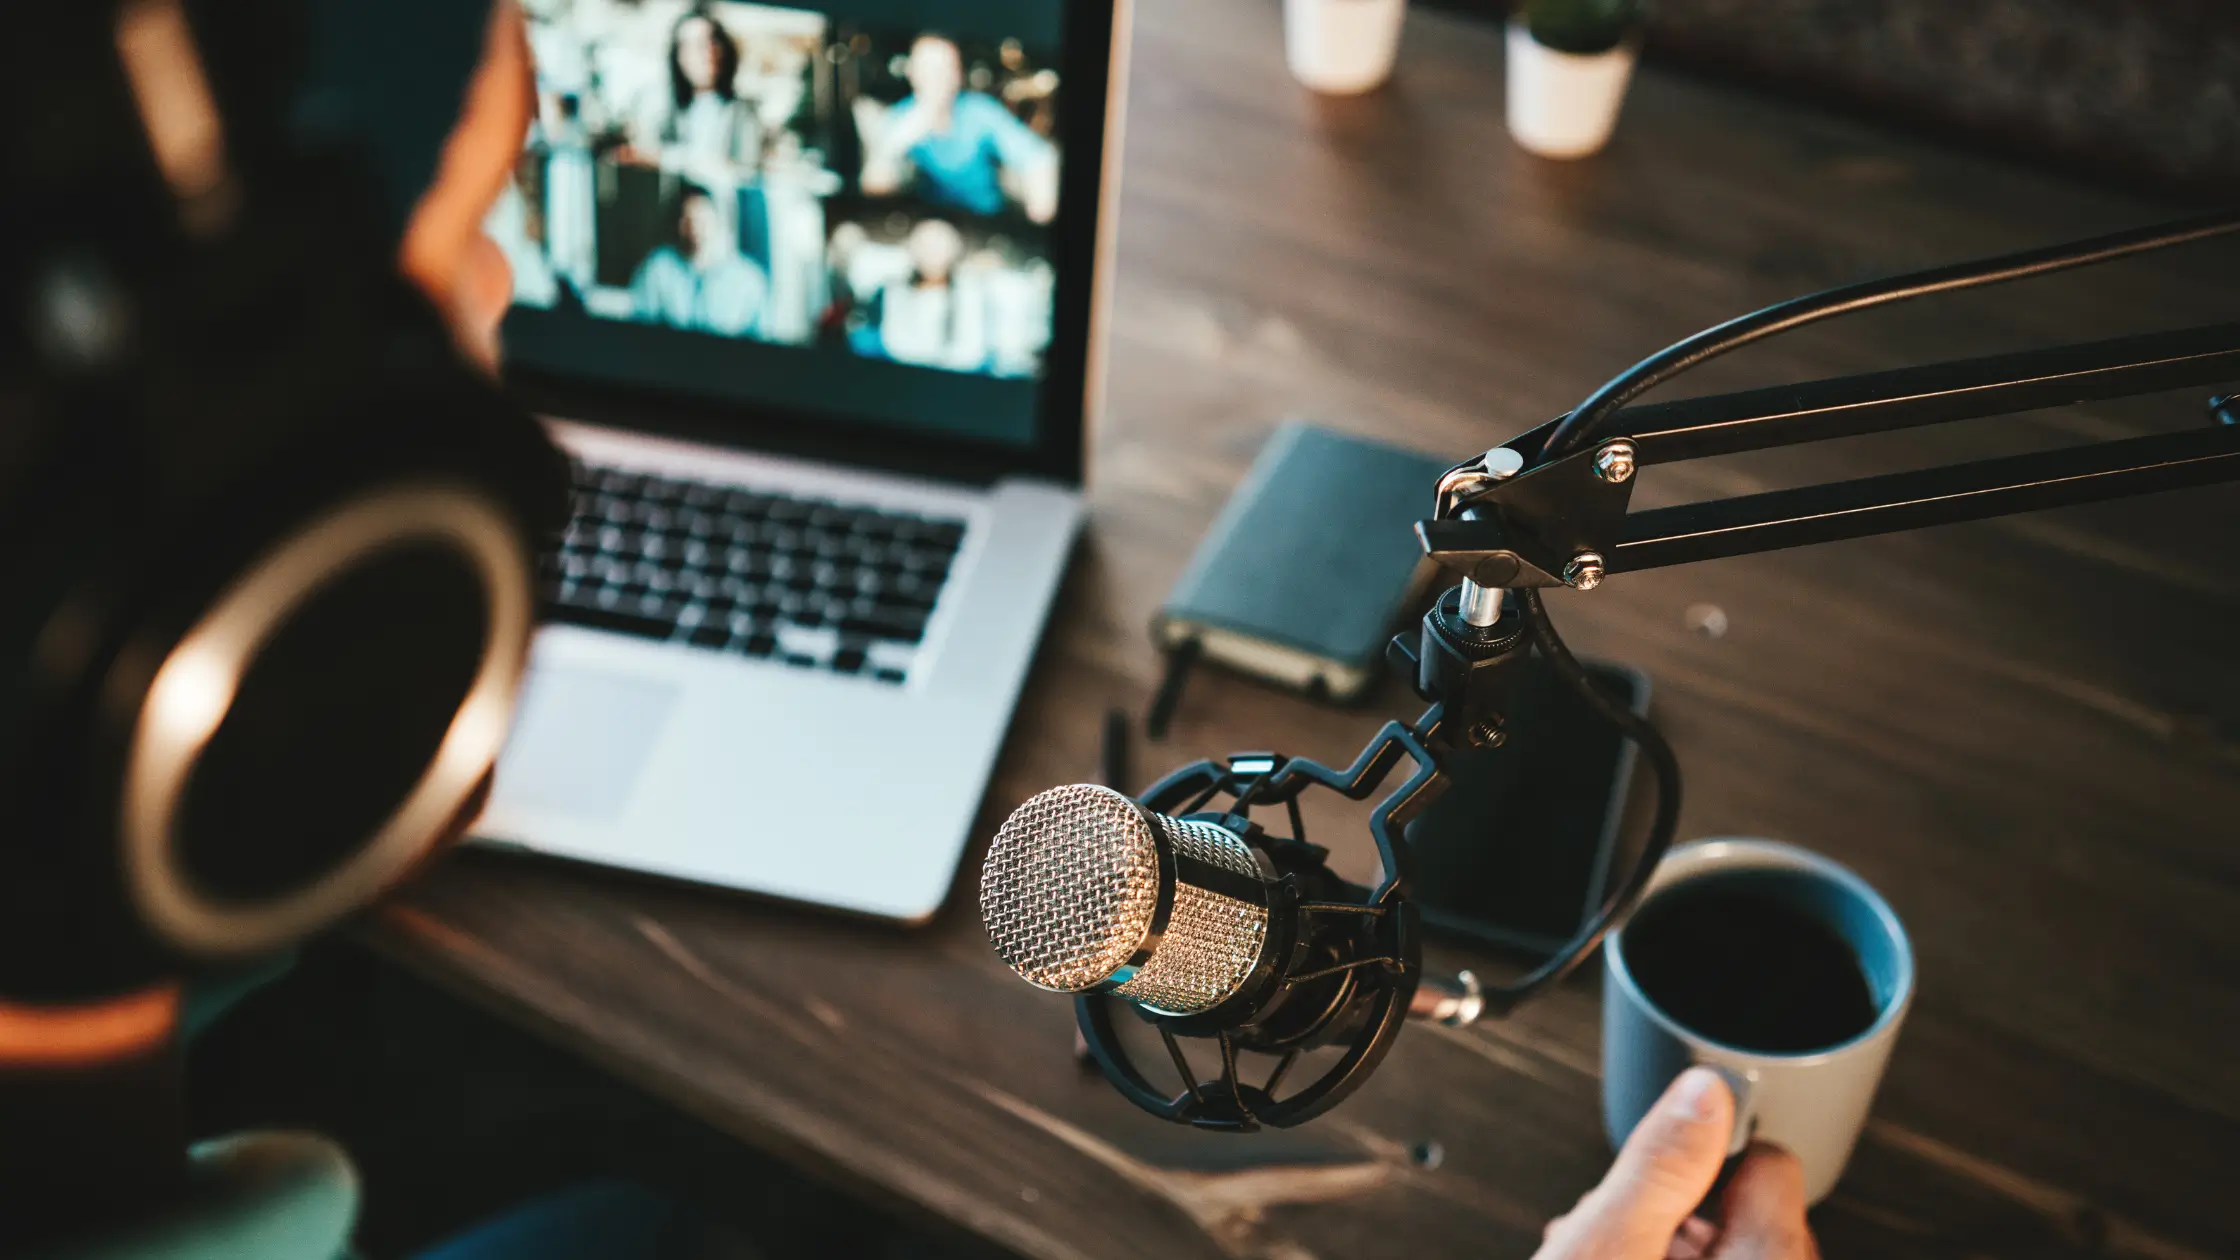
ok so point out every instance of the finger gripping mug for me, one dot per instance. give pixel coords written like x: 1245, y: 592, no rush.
x: 1779, y: 968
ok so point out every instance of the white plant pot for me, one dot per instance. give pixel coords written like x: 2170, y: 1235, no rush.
x: 1341, y: 46
x: 1563, y: 105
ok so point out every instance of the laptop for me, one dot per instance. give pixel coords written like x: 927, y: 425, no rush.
x: 811, y: 294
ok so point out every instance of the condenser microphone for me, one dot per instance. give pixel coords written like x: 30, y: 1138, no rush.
x: 1209, y: 928
x: 1084, y: 891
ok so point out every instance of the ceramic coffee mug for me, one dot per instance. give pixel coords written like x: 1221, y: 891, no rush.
x: 1781, y: 969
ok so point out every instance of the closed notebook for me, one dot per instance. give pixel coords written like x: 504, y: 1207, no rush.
x: 1303, y: 577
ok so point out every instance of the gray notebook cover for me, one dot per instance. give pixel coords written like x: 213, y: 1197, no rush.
x: 1315, y: 551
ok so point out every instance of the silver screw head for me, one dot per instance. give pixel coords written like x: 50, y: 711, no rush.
x: 1502, y: 463
x: 1584, y: 573
x: 1614, y: 462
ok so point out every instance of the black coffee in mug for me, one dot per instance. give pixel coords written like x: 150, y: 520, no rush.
x: 1745, y: 960
x: 1780, y: 968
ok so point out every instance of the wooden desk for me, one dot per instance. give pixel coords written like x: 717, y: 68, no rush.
x: 2023, y: 732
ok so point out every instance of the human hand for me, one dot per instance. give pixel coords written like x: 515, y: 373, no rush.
x: 1644, y: 1208
x: 907, y: 126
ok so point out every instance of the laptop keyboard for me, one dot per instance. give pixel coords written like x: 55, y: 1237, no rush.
x: 809, y: 582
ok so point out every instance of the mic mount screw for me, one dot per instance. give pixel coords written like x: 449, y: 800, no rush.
x: 1481, y: 605
x: 1502, y: 463
x: 1455, y: 1003
x: 1614, y: 463
x: 1584, y: 573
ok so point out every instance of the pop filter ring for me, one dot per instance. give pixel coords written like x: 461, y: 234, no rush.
x: 1227, y: 1103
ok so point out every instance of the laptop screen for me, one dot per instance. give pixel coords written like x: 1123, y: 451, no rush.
x: 847, y: 209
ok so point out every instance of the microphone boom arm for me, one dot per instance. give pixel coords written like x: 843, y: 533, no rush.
x: 1527, y: 529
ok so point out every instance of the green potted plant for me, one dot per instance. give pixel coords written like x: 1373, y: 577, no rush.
x: 1569, y: 63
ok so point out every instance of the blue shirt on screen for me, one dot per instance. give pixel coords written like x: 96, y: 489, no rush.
x: 959, y: 167
x: 723, y: 297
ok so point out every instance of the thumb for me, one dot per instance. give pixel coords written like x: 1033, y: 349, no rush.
x: 1667, y: 1164
x: 1764, y: 1208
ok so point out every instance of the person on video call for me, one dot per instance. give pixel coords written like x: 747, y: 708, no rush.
x: 703, y: 282
x: 708, y: 134
x: 1642, y: 1210
x: 959, y: 148
x: 935, y: 313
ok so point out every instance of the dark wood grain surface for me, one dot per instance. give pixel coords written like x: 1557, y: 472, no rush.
x: 2026, y: 733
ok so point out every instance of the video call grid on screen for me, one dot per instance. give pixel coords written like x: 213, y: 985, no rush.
x: 846, y: 207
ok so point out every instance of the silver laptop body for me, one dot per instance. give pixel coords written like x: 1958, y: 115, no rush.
x: 786, y: 667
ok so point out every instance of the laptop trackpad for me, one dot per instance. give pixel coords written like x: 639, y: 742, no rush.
x: 580, y: 740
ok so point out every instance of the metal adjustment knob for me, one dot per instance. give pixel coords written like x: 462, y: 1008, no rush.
x: 1456, y: 1003
x: 1615, y: 461
x: 1584, y: 573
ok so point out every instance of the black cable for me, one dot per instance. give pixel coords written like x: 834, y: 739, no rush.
x: 1584, y: 424
x: 1662, y: 762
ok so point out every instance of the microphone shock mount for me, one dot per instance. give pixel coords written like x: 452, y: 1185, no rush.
x: 1343, y: 964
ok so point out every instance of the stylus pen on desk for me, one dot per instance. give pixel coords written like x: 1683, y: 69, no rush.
x: 1182, y: 658
x: 1114, y: 771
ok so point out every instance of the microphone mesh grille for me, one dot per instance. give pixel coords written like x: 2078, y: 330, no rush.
x: 1212, y: 940
x: 1070, y: 887
x: 1070, y: 890
x: 1212, y: 845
